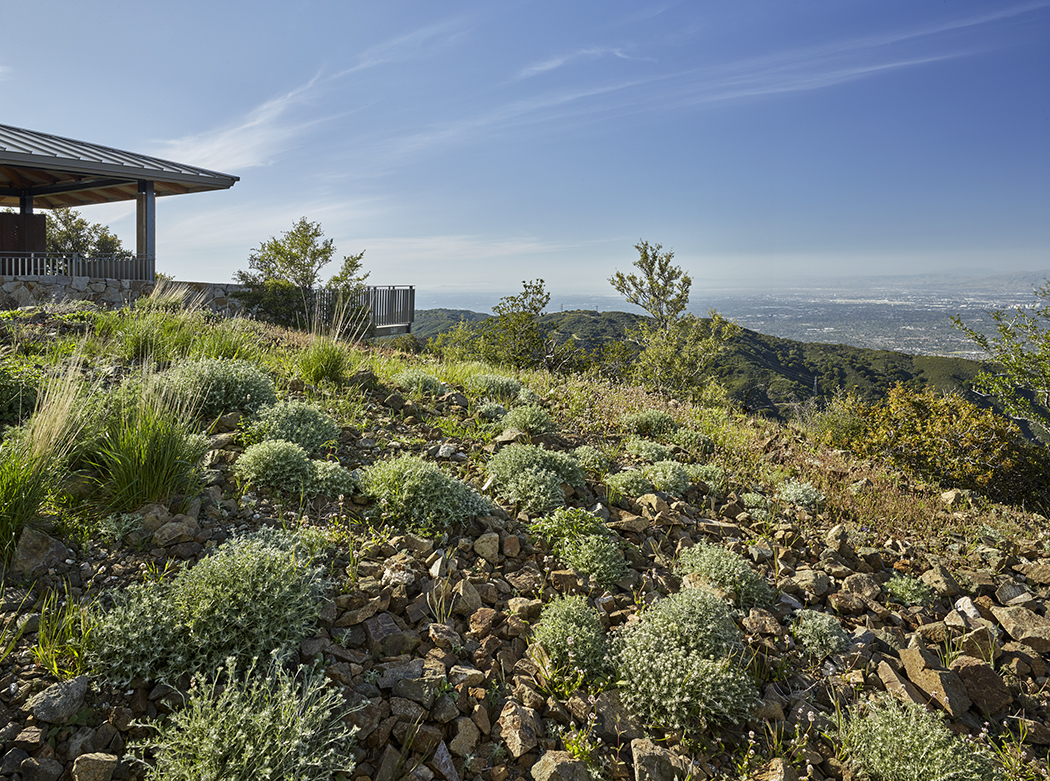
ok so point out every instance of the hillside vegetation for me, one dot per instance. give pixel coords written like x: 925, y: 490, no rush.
x: 234, y: 551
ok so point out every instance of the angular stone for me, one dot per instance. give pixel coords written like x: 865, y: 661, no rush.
x: 441, y: 763
x: 983, y: 685
x: 34, y: 769
x: 615, y: 725
x: 846, y: 603
x: 487, y: 547
x: 941, y: 685
x: 775, y: 770
x: 519, y: 728
x: 172, y: 534
x: 814, y: 581
x: 941, y: 581
x: 656, y: 763
x: 421, y: 690
x: 392, y: 672
x: 470, y: 676
x: 384, y: 635
x: 363, y: 713
x: 1039, y: 573
x: 59, y: 702
x: 468, y: 600
x: 1024, y: 626
x: 94, y: 767
x: 467, y: 736
x: 559, y: 766
x: 862, y: 585
x: 444, y: 636
x: 981, y: 644
x: 36, y: 552
x: 524, y: 608
x: 1036, y: 733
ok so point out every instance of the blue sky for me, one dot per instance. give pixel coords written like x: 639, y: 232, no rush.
x: 469, y: 145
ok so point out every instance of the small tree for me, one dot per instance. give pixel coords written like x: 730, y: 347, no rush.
x: 68, y: 233
x: 1020, y: 348
x: 677, y: 349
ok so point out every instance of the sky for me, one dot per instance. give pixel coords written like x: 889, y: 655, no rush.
x: 467, y: 146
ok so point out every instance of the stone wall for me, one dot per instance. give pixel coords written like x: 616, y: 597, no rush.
x: 17, y: 292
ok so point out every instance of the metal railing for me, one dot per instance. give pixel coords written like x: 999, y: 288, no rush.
x: 73, y: 264
x: 392, y: 307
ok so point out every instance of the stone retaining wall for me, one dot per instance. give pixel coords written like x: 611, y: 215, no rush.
x: 17, y: 292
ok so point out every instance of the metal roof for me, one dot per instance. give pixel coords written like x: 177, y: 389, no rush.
x: 61, y: 172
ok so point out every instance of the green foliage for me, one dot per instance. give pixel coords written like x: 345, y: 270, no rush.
x: 255, y: 595
x: 591, y: 459
x: 232, y: 338
x: 419, y: 382
x: 491, y: 411
x: 668, y: 476
x: 1020, y: 350
x: 514, y: 336
x: 840, y: 423
x: 893, y: 741
x: 728, y: 573
x: 675, y: 665
x: 496, y: 385
x: 410, y: 491
x: 630, y: 483
x: 297, y: 422
x: 597, y: 555
x: 647, y: 450
x: 947, y: 439
x: 329, y: 478
x: 649, y: 423
x: 712, y: 475
x: 18, y: 392
x: 572, y: 634
x: 324, y: 359
x: 567, y: 523
x: 146, y: 451
x: 275, y: 465
x: 263, y: 724
x: 64, y: 632
x: 800, y: 492
x: 531, y: 476
x: 530, y: 419
x: 692, y: 440
x: 909, y: 590
x: 661, y: 289
x: 220, y: 385
x: 821, y: 634
x: 68, y: 232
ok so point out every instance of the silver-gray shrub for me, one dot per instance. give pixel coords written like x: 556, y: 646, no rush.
x: 821, y: 634
x: 265, y: 723
x: 566, y: 523
x: 330, y: 479
x: 711, y: 475
x: 630, y: 483
x: 415, y: 380
x: 692, y: 440
x: 677, y: 666
x: 727, y: 572
x: 276, y: 465
x: 893, y: 741
x: 909, y: 590
x: 253, y: 597
x: 668, y: 476
x: 410, y: 491
x: 491, y: 411
x: 801, y: 493
x: 572, y: 634
x: 221, y: 385
x: 530, y: 419
x: 298, y: 422
x: 647, y: 450
x: 591, y: 459
x: 649, y: 423
x: 597, y: 555
x: 528, y: 475
x: 498, y: 385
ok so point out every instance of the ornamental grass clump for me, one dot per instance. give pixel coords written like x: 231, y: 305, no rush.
x: 649, y: 423
x: 419, y: 382
x: 677, y: 666
x: 220, y: 386
x: 297, y: 422
x: 410, y: 491
x: 727, y: 573
x: 531, y: 477
x: 530, y: 419
x: 894, y: 741
x: 324, y: 360
x: 255, y: 596
x: 496, y: 385
x: 572, y: 634
x: 909, y: 590
x: 629, y: 483
x: 264, y: 723
x: 668, y: 476
x: 820, y: 634
x: 647, y: 450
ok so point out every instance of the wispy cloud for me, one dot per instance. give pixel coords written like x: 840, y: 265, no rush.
x: 560, y: 60
x: 412, y: 45
x: 6, y: 71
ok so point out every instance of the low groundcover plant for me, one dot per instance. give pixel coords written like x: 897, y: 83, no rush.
x: 728, y: 572
x: 414, y: 492
x: 295, y: 421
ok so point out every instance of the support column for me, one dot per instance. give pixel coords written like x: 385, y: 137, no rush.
x: 25, y: 203
x: 146, y: 226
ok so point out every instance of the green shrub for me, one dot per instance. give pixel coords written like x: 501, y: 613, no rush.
x: 630, y: 483
x: 676, y: 667
x: 597, y: 555
x: 840, y: 424
x: 255, y: 595
x: 496, y: 385
x: 751, y: 500
x: 567, y: 523
x: 668, y: 476
x: 297, y: 422
x: 727, y: 572
x: 821, y: 634
x: 491, y: 411
x: 276, y: 465
x: 18, y: 393
x: 530, y: 419
x: 591, y: 459
x: 572, y: 634
x: 692, y: 440
x: 893, y: 741
x: 711, y: 475
x: 220, y: 386
x: 647, y: 450
x: 329, y: 478
x: 909, y: 590
x: 419, y: 382
x: 801, y: 493
x: 265, y: 724
x: 414, y: 492
x: 531, y: 476
x: 324, y: 360
x: 649, y: 423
